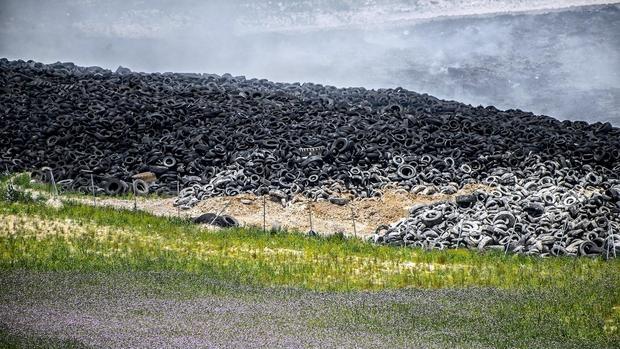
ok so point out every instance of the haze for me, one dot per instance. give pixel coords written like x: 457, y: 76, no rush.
x: 559, y: 58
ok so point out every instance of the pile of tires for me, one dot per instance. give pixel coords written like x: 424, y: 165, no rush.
x: 204, y: 135
x: 534, y: 215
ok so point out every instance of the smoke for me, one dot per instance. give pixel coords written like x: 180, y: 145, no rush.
x: 557, y: 60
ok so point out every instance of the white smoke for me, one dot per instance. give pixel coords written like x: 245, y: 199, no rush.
x: 557, y: 60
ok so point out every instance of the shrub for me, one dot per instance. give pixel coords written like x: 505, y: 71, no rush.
x: 10, y: 193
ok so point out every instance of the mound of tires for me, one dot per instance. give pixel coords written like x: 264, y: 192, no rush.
x: 537, y: 215
x: 202, y: 135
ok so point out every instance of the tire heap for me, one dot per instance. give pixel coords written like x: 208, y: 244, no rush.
x: 536, y: 214
x: 222, y: 135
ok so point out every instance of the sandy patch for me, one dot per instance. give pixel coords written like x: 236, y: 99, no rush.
x: 326, y: 217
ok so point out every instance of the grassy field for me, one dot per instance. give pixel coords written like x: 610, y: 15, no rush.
x: 575, y: 302
x: 8, y: 340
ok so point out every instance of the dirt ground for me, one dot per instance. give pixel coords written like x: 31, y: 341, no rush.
x: 326, y: 217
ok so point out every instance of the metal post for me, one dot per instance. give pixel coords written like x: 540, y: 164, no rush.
x: 508, y: 245
x: 53, y: 181
x: 92, y: 186
x: 310, y: 214
x: 611, y: 240
x: 219, y: 213
x: 353, y: 218
x: 178, y: 193
x: 135, y: 197
x: 264, y: 214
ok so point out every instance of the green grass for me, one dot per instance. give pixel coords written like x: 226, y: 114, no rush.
x: 138, y: 240
x: 472, y: 317
x: 11, y: 191
x: 11, y: 340
x: 571, y: 298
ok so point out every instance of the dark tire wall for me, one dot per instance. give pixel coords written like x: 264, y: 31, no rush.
x: 224, y: 135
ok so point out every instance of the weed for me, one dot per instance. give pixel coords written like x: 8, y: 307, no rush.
x: 11, y: 193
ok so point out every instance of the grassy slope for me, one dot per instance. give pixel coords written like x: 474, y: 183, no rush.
x: 571, y: 300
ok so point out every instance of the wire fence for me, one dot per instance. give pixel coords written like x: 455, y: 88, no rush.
x: 57, y: 193
x: 135, y: 204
